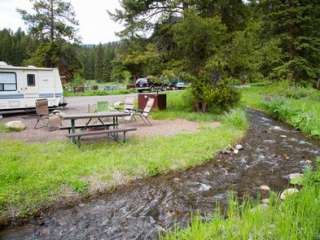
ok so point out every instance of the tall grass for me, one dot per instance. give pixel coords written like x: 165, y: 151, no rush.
x: 32, y: 175
x: 298, y: 217
x: 298, y: 106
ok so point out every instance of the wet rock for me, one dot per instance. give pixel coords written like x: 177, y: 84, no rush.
x: 295, y: 178
x: 288, y: 192
x: 239, y: 147
x: 235, y: 151
x: 283, y: 136
x: 276, y: 128
x: 16, y: 126
x: 265, y: 201
x: 204, y: 187
x: 226, y: 151
x: 264, y: 191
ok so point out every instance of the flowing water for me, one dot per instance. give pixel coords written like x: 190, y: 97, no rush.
x: 144, y: 209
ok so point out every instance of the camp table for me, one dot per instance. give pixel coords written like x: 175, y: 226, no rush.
x: 100, y: 115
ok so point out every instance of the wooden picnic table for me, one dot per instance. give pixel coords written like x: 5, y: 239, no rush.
x: 100, y: 115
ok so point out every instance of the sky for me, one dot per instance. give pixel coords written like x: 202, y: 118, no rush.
x: 95, y: 24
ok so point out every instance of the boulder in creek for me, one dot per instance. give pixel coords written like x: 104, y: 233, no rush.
x: 288, y: 192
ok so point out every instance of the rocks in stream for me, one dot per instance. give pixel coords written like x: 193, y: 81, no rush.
x: 264, y: 191
x: 239, y: 147
x: 288, y: 192
x: 234, y: 149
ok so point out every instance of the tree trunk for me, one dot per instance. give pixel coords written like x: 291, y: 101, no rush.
x: 51, y: 21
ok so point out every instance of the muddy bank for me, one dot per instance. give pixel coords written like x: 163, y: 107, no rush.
x: 146, y: 208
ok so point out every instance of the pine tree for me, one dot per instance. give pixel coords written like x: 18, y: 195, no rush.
x: 52, y: 20
x: 296, y: 23
x: 99, y: 65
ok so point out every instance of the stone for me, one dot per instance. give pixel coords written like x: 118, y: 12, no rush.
x: 204, y: 187
x: 226, y: 151
x: 295, y: 178
x: 288, y: 192
x: 235, y: 151
x: 265, y: 201
x: 264, y: 191
x: 239, y: 147
x: 295, y: 175
x: 264, y: 188
x: 16, y: 125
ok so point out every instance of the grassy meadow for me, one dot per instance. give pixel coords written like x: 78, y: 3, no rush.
x: 33, y: 175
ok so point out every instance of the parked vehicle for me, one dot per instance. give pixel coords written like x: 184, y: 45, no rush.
x: 177, y: 84
x: 181, y: 85
x: 146, y: 85
x: 20, y: 87
x: 143, y: 83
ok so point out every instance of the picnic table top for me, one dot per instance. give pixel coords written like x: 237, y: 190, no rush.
x: 67, y: 116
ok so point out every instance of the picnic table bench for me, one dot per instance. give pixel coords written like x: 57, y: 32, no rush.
x: 76, y: 136
x: 84, y: 127
x: 101, y: 132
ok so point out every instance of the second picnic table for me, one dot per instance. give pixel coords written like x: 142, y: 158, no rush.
x: 77, y: 116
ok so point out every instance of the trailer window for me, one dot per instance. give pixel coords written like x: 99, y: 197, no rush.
x: 8, y: 81
x: 31, y: 78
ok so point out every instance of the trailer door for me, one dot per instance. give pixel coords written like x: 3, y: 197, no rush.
x: 32, y: 86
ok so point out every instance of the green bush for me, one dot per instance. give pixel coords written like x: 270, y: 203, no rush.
x: 221, y: 97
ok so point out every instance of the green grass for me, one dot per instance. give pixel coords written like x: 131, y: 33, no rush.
x: 98, y: 92
x: 179, y: 105
x: 3, y: 128
x: 297, y: 106
x: 298, y: 217
x: 34, y: 175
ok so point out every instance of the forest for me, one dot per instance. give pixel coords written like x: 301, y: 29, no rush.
x: 212, y: 44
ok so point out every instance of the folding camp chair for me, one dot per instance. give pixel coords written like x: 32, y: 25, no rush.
x: 144, y: 114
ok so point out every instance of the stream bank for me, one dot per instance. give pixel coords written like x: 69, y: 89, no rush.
x: 272, y: 151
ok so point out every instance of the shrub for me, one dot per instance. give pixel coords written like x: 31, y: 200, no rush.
x: 214, y: 98
x: 221, y: 97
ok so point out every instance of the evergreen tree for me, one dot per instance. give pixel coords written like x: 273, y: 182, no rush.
x: 51, y: 20
x: 99, y: 65
x: 296, y: 23
x: 16, y: 47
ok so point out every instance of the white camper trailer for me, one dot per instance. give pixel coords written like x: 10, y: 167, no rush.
x: 20, y: 87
